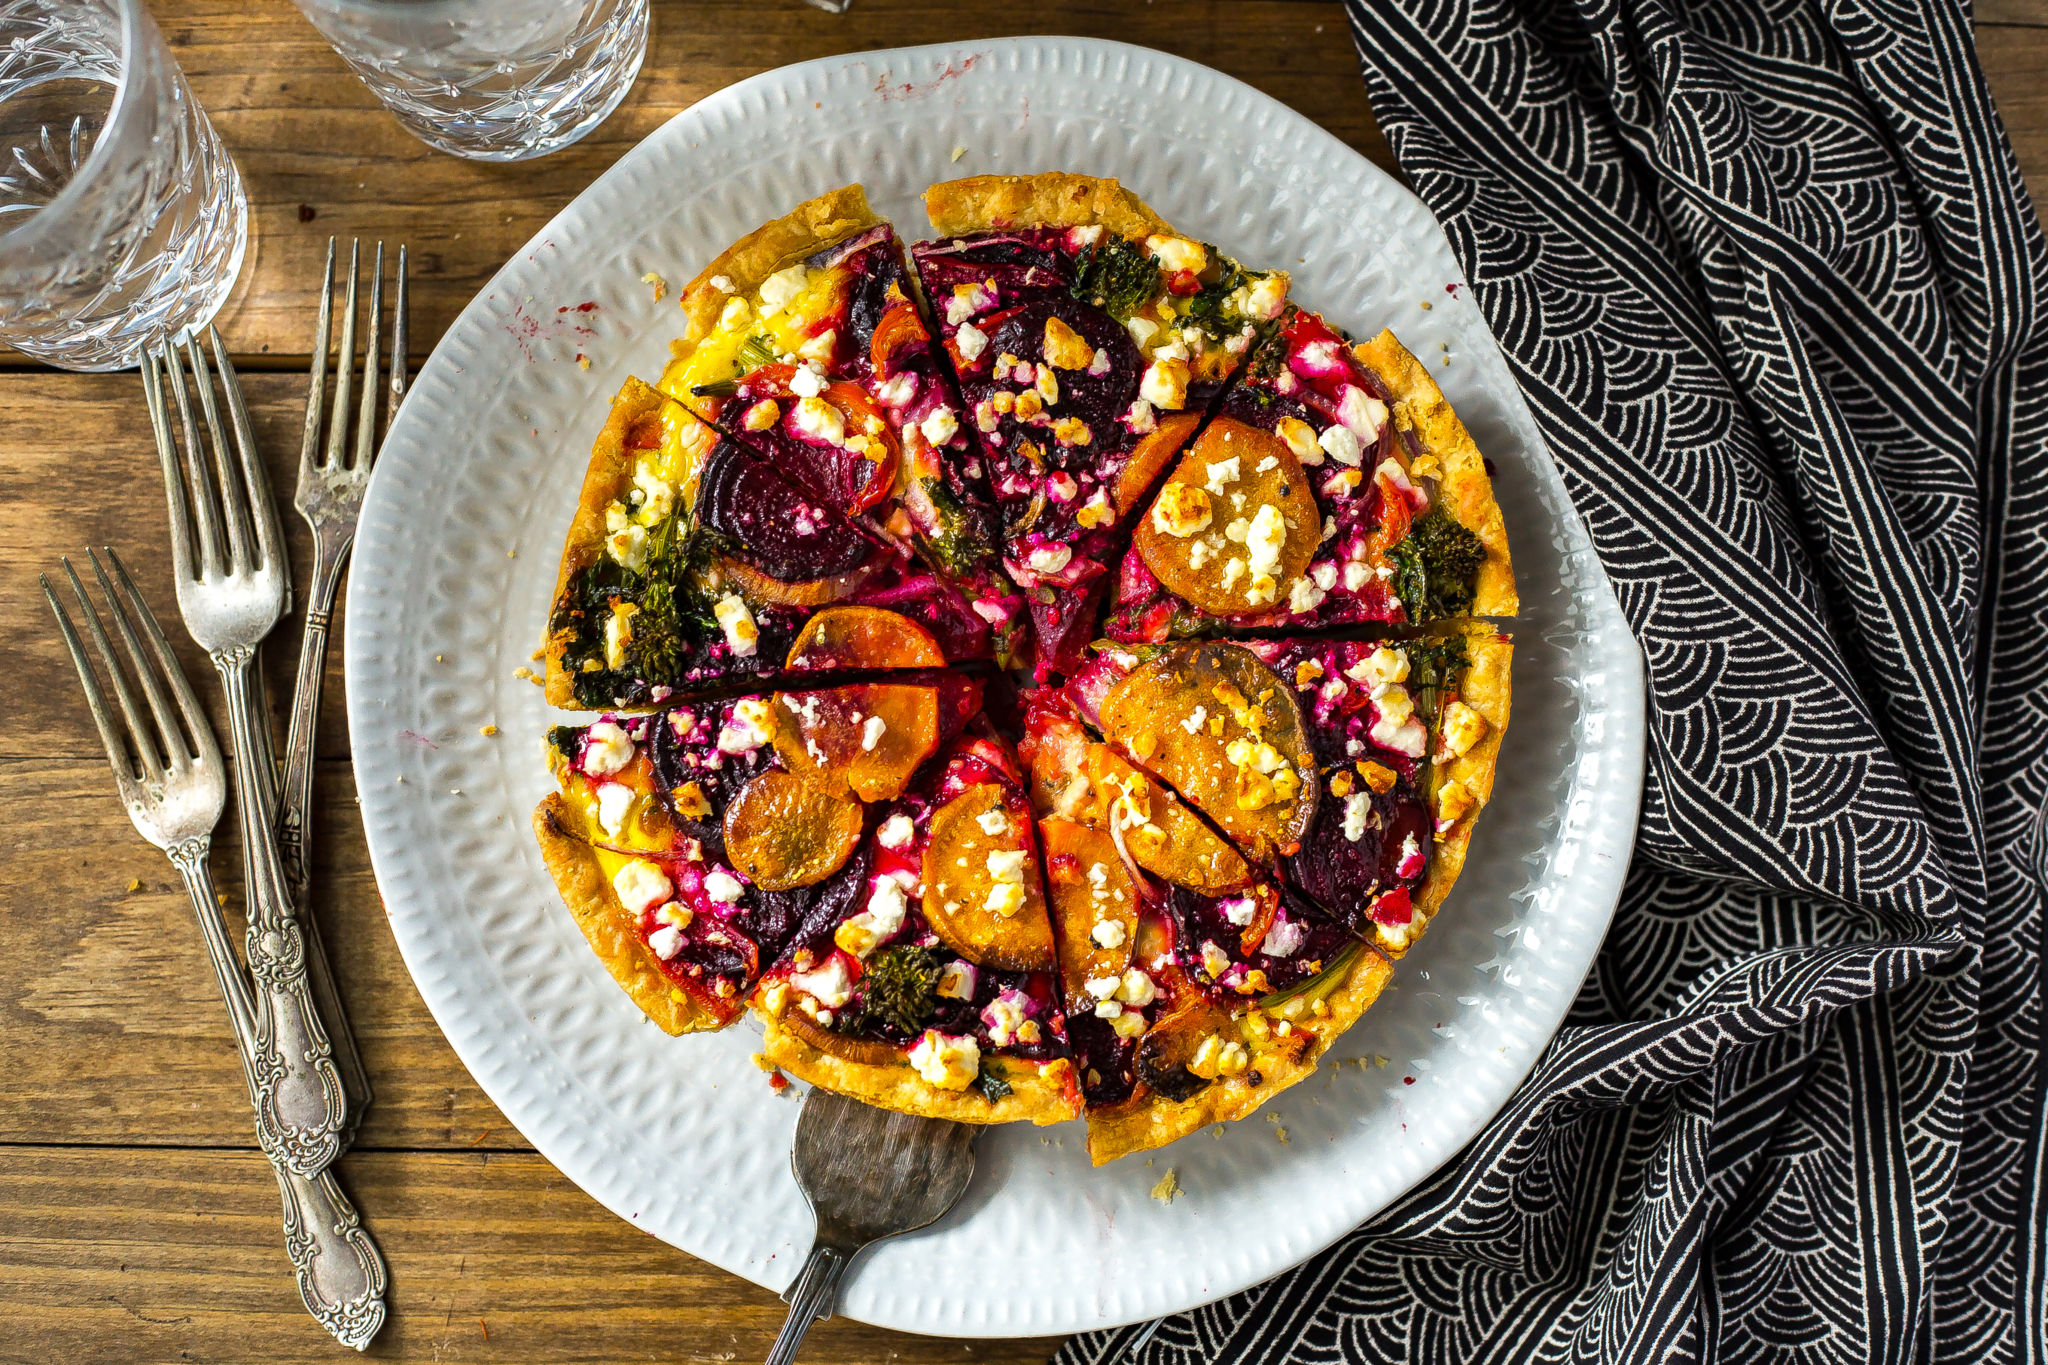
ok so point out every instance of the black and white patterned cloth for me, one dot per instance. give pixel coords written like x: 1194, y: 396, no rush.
x: 1769, y: 278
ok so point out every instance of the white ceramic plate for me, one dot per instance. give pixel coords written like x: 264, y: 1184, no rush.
x: 455, y: 561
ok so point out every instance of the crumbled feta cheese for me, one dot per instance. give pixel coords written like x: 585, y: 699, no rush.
x: 1305, y: 596
x: 1065, y: 347
x: 751, y: 726
x: 606, y: 749
x: 861, y: 934
x: 1215, y: 962
x: 618, y: 633
x: 1108, y: 933
x: 1142, y: 330
x: 1181, y: 510
x: 779, y: 289
x: 1136, y: 989
x: 1342, y: 446
x: 1264, y: 542
x: 939, y: 426
x: 762, y: 415
x: 737, y: 621
x: 1240, y: 911
x: 1357, y: 813
x: 1140, y: 418
x: 1233, y: 569
x: 723, y: 284
x: 1108, y: 1009
x: 1384, y: 667
x: 957, y: 980
x: 819, y: 347
x: 1006, y: 872
x: 820, y: 421
x: 993, y: 822
x: 735, y: 315
x: 871, y: 732
x: 946, y: 1061
x: 1101, y: 987
x: 1192, y: 723
x: 723, y: 887
x: 1129, y: 1024
x: 1463, y: 728
x: 1222, y: 474
x: 627, y: 543
x: 641, y: 886
x: 895, y: 831
x: 1411, y: 857
x: 1048, y: 559
x: 970, y: 341
x: 1177, y: 255
x: 1165, y: 384
x: 1354, y: 575
x: 830, y: 985
x: 665, y: 942
x: 1267, y: 297
x: 1284, y: 939
x: 808, y: 381
x: 1005, y: 1016
x: 614, y: 801
x: 1362, y: 414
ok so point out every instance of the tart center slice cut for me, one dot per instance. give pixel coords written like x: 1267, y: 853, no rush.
x: 932, y: 989
x: 1334, y: 486
x: 1384, y: 753
x: 1088, y: 338
x: 805, y: 343
x: 1196, y: 986
x: 693, y: 563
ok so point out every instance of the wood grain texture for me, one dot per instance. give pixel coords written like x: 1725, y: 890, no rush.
x: 135, y: 1221
x: 266, y: 78
x: 175, y: 1256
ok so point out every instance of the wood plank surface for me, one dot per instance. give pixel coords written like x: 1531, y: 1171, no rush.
x: 175, y: 1256
x: 135, y: 1222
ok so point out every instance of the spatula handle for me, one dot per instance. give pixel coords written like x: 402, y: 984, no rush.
x: 810, y: 1299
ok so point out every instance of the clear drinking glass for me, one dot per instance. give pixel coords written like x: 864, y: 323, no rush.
x: 121, y: 216
x: 492, y: 80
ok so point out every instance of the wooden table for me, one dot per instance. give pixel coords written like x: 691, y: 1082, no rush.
x: 137, y: 1222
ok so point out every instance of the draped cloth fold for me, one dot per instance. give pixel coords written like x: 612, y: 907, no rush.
x: 1769, y: 278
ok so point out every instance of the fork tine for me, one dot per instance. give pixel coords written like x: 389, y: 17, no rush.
x: 234, y: 499
x: 366, y: 418
x: 174, y: 477
x: 344, y: 364
x: 316, y: 385
x: 255, y: 479
x: 122, y: 751
x: 206, y: 510
x: 197, y: 728
x: 398, y: 352
x: 177, y: 753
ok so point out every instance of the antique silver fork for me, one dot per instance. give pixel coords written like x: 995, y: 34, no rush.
x: 233, y: 582
x: 167, y: 768
x: 330, y: 498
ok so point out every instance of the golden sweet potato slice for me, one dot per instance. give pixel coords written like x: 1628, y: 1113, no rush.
x: 759, y: 587
x: 860, y: 1051
x: 1179, y: 1054
x: 784, y: 832
x: 982, y: 894
x: 864, y: 637
x: 1173, y: 844
x: 1234, y: 526
x: 1219, y: 727
x: 1090, y: 887
x: 863, y: 740
x: 1149, y: 456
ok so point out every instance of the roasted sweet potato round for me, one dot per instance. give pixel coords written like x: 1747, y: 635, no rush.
x: 860, y: 1051
x: 862, y: 740
x: 784, y: 832
x: 760, y: 588
x: 982, y: 894
x: 864, y: 637
x: 1090, y: 886
x: 1222, y: 729
x: 1234, y: 526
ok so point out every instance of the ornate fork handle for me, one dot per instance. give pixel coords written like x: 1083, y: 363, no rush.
x: 301, y: 1108
x: 295, y: 812
x: 340, y: 1271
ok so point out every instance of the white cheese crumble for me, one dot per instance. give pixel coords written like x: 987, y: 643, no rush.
x: 957, y: 980
x: 1049, y: 559
x: 1342, y: 446
x: 1357, y: 808
x: 1363, y: 414
x: 641, y: 886
x: 1193, y: 723
x: 807, y: 382
x: 970, y: 341
x: 1177, y: 254
x: 606, y: 749
x: 871, y: 732
x: 614, y: 800
x: 946, y: 1061
x: 723, y: 887
x: 1136, y: 989
x: 939, y: 426
x: 895, y: 831
x: 1284, y: 938
x: 1240, y: 911
x: 784, y: 285
x: 737, y: 621
x: 1222, y: 474
x: 1165, y: 384
x: 830, y: 985
x: 993, y: 822
x: 1108, y: 933
x: 665, y: 942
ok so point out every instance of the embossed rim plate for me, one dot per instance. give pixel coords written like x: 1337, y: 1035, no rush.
x: 454, y: 564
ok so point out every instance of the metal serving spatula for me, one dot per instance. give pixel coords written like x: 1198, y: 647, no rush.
x: 867, y: 1173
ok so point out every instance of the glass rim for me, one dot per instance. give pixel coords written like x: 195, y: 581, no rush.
x: 37, y: 226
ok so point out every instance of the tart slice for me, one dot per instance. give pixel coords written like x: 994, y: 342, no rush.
x: 1088, y: 338
x: 804, y: 340
x: 693, y: 564
x: 1334, y: 486
x: 1352, y: 769
x: 931, y: 991
x: 691, y: 849
x: 1196, y: 987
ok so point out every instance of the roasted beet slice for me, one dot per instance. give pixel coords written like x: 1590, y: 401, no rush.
x: 768, y: 523
x: 805, y: 916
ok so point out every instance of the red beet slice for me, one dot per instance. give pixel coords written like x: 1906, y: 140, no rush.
x: 768, y: 523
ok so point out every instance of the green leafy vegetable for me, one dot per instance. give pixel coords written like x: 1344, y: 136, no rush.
x: 1434, y: 567
x: 899, y: 992
x: 562, y: 739
x: 991, y: 1086
x: 1210, y: 310
x: 1434, y: 667
x: 664, y: 625
x: 1115, y: 275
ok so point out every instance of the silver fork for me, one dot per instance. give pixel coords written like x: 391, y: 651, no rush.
x: 167, y: 768
x: 233, y: 582
x: 330, y: 498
